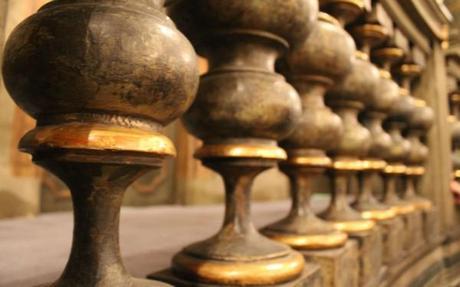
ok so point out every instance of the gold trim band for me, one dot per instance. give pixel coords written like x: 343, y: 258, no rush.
x: 312, y: 241
x: 419, y: 103
x: 423, y: 204
x: 385, y: 74
x: 457, y: 173
x: 379, y: 215
x: 241, y: 273
x: 318, y: 161
x: 371, y: 30
x: 388, y: 53
x: 347, y: 164
x: 395, y: 169
x: 374, y: 164
x: 241, y: 151
x: 410, y: 69
x: 403, y: 209
x: 415, y: 170
x: 361, y: 55
x: 354, y: 226
x: 455, y: 97
x: 100, y: 137
x: 404, y: 92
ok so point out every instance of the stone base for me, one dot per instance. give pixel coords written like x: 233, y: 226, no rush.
x: 339, y: 266
x: 393, y: 239
x: 414, y: 231
x: 311, y: 277
x: 370, y: 247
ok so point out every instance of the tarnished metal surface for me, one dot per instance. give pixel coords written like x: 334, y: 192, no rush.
x: 102, y: 78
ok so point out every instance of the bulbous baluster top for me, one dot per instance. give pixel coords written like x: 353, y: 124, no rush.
x: 117, y: 63
x: 324, y: 58
x: 241, y: 96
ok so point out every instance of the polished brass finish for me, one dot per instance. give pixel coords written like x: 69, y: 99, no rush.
x: 242, y: 273
x: 97, y: 137
x: 387, y: 55
x: 241, y: 151
x: 312, y: 71
x: 312, y: 241
x: 102, y: 78
x: 351, y: 226
x: 242, y: 109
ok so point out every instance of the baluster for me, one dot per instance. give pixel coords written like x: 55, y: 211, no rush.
x: 102, y: 78
x: 325, y: 57
x: 243, y: 108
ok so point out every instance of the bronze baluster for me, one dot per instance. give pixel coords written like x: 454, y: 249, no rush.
x: 369, y: 32
x: 346, y: 99
x: 312, y: 70
x: 102, y: 86
x: 242, y: 109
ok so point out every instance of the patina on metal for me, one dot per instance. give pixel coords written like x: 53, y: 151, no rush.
x: 368, y: 33
x: 388, y: 56
x: 243, y: 108
x: 419, y: 124
x: 347, y: 98
x: 312, y: 70
x: 102, y: 86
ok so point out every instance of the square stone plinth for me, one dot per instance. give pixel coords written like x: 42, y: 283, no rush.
x: 414, y: 231
x: 370, y: 246
x: 339, y: 266
x: 393, y: 240
x: 311, y: 277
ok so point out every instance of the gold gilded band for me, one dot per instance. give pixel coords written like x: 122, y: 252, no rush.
x: 262, y: 272
x: 423, y: 204
x: 311, y: 242
x: 384, y: 74
x: 404, y: 92
x: 419, y: 102
x: 395, y: 169
x: 388, y: 53
x: 241, y: 151
x: 361, y: 55
x: 457, y: 173
x: 379, y: 215
x: 347, y: 164
x: 320, y: 161
x: 415, y: 170
x: 354, y: 226
x: 371, y: 30
x: 403, y: 209
x: 455, y: 97
x: 410, y: 69
x: 373, y: 164
x: 101, y: 137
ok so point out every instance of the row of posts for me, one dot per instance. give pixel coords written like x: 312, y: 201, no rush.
x: 309, y: 87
